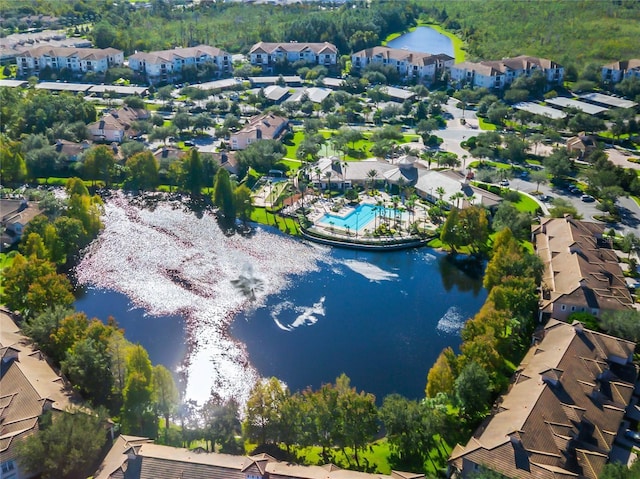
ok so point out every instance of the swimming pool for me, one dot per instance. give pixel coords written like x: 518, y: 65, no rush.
x: 359, y: 218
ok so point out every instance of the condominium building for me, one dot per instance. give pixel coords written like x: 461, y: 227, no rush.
x: 498, y: 74
x: 77, y: 60
x: 164, y: 65
x: 418, y: 65
x: 267, y: 55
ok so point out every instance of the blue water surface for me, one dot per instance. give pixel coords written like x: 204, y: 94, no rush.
x: 359, y: 218
x: 381, y: 318
x: 424, y: 39
x: 384, y: 331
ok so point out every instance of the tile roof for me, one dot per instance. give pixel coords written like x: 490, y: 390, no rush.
x: 28, y: 386
x: 265, y: 47
x: 577, y: 264
x: 562, y: 413
x: 497, y: 67
x: 65, y: 52
x: 120, y: 119
x: 625, y: 65
x: 115, y: 462
x: 268, y: 124
x: 401, y: 55
x: 165, y: 56
x: 141, y: 459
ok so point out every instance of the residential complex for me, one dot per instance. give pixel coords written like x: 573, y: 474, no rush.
x: 77, y: 60
x: 262, y: 127
x: 115, y: 125
x: 582, y: 273
x: 164, y: 65
x: 499, y: 74
x: 267, y: 55
x: 618, y: 71
x: 410, y: 65
x: 29, y: 387
x: 562, y: 412
x: 405, y: 170
x: 139, y: 458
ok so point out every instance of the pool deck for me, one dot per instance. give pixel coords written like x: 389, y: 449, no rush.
x: 363, y: 237
x: 368, y: 244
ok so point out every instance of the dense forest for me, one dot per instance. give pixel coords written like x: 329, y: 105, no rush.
x: 570, y: 32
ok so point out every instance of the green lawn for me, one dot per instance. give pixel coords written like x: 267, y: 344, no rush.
x: 292, y: 145
x: 362, y: 148
x: 377, y: 456
x: 286, y: 225
x: 493, y: 164
x: 526, y: 204
x: 485, y: 125
x: 292, y: 165
x: 608, y: 134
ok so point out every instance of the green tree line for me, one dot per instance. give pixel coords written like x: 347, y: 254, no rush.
x: 570, y: 33
x: 497, y: 336
x: 101, y: 364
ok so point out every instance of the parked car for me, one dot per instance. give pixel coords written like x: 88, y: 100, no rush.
x: 587, y: 198
x: 545, y: 198
x: 575, y: 190
x: 632, y: 435
x: 189, y: 143
x: 504, y: 183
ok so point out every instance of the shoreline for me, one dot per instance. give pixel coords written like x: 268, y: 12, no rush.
x: 459, y: 52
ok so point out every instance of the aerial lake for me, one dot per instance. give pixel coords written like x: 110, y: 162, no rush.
x: 424, y: 39
x: 221, y: 311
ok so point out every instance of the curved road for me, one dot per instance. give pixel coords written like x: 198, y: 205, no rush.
x: 455, y: 133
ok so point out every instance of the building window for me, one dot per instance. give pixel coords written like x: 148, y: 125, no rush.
x: 7, y: 467
x: 563, y: 307
x: 573, y: 308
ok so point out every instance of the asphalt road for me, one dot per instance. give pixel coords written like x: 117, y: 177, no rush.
x: 455, y: 133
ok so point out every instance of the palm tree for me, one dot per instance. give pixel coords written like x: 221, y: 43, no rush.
x: 411, y: 204
x: 395, y: 201
x: 440, y: 191
x: 428, y: 158
x: 372, y: 174
x: 327, y: 176
x: 536, y: 139
x: 379, y: 209
x: 344, y: 166
x: 401, y: 186
x: 457, y: 196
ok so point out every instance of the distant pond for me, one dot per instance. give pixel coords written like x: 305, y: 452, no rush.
x: 424, y: 39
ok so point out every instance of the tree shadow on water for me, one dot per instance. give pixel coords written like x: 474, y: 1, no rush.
x: 461, y: 271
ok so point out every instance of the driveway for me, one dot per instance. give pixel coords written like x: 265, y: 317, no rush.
x: 455, y: 133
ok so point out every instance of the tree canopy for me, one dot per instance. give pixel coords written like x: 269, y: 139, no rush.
x: 66, y: 446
